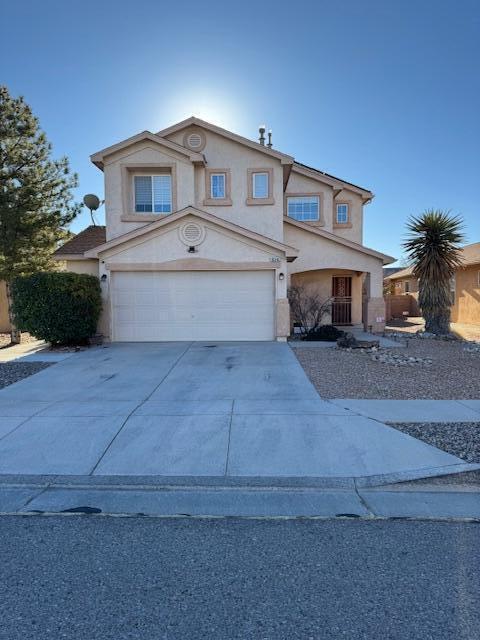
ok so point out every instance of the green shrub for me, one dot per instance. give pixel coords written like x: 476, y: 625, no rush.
x: 59, y: 307
x: 325, y: 332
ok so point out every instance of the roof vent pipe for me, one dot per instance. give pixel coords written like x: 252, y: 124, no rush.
x: 269, y: 143
x: 261, y: 131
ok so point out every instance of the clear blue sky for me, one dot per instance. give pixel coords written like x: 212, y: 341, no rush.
x: 382, y: 93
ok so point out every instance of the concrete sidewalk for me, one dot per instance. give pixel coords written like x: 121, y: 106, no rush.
x: 414, y: 410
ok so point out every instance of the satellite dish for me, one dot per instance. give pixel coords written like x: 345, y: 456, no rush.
x: 92, y: 202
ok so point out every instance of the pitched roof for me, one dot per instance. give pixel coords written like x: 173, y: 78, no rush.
x: 97, y: 158
x: 302, y: 168
x: 283, y: 157
x: 389, y: 271
x: 290, y: 252
x: 339, y: 240
x: 89, y: 238
x: 470, y: 254
x: 403, y: 273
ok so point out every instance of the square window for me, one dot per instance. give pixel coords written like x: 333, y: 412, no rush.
x: 342, y: 213
x: 217, y: 185
x: 153, y: 194
x: 260, y: 185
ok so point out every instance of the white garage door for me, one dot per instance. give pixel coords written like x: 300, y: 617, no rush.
x: 193, y: 305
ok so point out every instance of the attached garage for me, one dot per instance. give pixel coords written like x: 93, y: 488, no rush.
x: 150, y: 306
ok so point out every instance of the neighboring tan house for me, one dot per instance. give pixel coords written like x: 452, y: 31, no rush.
x: 204, y: 231
x: 465, y: 288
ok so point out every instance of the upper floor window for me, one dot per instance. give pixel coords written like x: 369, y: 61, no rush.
x: 303, y: 208
x: 217, y: 185
x: 342, y: 214
x: 260, y: 188
x: 153, y: 194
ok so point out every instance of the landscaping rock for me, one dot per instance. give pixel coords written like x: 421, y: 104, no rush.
x: 400, y: 359
x: 472, y: 347
x: 461, y: 439
x: 453, y: 374
x: 11, y: 372
x: 347, y: 341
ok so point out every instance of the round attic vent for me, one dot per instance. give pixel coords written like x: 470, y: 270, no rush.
x: 192, y: 234
x: 194, y: 140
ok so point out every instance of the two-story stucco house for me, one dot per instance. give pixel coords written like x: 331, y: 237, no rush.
x: 205, y: 230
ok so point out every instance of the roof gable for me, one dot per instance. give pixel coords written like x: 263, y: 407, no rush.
x: 98, y: 157
x: 202, y: 124
x: 343, y: 241
x: 290, y: 252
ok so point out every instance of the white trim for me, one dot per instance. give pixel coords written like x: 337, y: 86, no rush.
x: 219, y: 173
x: 342, y: 204
x: 260, y: 173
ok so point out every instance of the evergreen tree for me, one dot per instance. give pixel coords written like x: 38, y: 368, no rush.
x: 36, y: 201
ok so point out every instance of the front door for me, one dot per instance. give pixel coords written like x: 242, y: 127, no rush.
x: 342, y: 300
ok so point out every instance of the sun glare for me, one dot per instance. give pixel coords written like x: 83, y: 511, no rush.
x: 213, y: 107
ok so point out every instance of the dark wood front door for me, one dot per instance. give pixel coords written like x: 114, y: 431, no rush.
x: 342, y: 300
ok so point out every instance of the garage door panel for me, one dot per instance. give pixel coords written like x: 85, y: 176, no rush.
x: 192, y: 305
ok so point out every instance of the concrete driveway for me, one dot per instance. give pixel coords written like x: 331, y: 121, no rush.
x: 196, y: 409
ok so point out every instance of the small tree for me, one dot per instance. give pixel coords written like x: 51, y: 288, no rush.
x: 434, y: 250
x: 35, y: 194
x: 308, y: 308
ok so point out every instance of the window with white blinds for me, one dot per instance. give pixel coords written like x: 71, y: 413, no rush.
x: 153, y: 194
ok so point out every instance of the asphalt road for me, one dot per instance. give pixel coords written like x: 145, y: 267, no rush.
x: 91, y: 577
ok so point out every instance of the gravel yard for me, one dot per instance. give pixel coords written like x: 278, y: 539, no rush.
x: 11, y: 372
x: 461, y: 439
x: 453, y: 375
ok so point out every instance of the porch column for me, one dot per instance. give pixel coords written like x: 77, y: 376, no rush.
x: 374, y: 318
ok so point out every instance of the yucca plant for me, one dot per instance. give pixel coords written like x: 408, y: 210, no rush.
x: 433, y: 247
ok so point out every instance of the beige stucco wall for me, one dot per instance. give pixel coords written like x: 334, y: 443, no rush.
x: 4, y: 319
x: 222, y: 153
x: 320, y: 281
x: 119, y: 200
x: 82, y: 266
x: 320, y: 253
x: 164, y: 245
x: 399, y: 286
x: 300, y: 184
x: 467, y: 297
x: 353, y: 230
